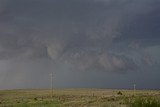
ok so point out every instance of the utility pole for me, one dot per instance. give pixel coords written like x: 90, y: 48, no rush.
x: 51, y: 85
x: 134, y: 88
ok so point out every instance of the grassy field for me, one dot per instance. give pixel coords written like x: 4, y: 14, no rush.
x: 79, y: 98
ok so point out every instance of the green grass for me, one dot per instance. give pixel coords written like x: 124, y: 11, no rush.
x: 79, y: 98
x: 149, y: 101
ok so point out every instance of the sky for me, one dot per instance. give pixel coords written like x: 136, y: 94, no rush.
x: 85, y: 43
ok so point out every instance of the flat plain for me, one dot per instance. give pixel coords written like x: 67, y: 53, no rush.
x: 79, y: 98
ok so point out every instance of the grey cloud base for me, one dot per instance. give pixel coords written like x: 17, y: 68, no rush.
x: 108, y: 42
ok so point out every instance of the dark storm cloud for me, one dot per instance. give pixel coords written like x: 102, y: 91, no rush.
x: 40, y: 36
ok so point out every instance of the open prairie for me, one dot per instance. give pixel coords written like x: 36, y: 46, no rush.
x: 79, y: 98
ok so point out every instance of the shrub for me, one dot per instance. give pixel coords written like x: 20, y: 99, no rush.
x: 35, y: 99
x: 119, y: 93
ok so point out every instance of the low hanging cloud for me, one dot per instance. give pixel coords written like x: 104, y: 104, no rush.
x: 102, y: 62
x: 52, y: 31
